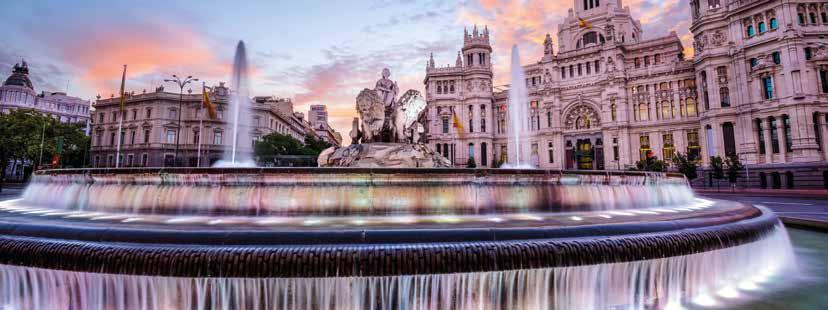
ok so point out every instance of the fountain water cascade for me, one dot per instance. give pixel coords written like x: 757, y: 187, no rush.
x: 240, y: 117
x: 518, y: 116
x: 357, y: 238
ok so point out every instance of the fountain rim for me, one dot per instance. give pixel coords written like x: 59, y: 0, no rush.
x: 90, y: 252
x: 348, y: 170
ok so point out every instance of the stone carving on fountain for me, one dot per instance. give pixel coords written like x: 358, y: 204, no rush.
x: 388, y: 133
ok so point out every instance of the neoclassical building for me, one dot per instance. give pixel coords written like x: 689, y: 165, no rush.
x: 609, y: 95
x: 150, y: 128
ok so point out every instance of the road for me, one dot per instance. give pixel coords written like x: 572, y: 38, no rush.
x: 807, y: 208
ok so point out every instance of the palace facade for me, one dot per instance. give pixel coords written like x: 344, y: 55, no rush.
x: 609, y: 96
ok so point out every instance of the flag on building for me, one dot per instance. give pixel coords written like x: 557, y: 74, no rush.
x: 457, y: 123
x: 211, y: 109
x: 583, y: 23
x: 123, y: 81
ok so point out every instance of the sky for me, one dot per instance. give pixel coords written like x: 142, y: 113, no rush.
x: 313, y: 51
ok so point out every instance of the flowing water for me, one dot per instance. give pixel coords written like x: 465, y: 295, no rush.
x: 240, y: 113
x: 518, y: 116
x: 702, y: 279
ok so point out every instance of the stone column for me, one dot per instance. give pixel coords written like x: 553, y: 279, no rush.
x: 780, y: 133
x: 767, y: 136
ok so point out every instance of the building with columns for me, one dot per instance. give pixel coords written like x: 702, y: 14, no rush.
x: 150, y: 128
x: 610, y: 96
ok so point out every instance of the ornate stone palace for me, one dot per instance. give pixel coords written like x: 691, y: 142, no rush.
x: 18, y: 92
x: 757, y: 86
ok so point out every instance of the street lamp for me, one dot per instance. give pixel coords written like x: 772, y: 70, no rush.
x: 181, y: 83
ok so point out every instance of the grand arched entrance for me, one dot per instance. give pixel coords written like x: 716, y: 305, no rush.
x: 583, y: 141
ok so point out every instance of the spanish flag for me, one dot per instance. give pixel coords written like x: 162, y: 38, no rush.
x: 583, y: 23
x: 457, y: 123
x: 205, y: 101
x: 123, y: 81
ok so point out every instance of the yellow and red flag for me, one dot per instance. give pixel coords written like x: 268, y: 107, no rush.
x: 205, y: 101
x: 583, y: 23
x: 457, y: 123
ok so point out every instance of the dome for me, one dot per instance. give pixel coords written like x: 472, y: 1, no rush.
x: 19, y: 76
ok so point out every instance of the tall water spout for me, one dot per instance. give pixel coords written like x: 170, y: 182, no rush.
x: 518, y: 113
x: 239, y: 101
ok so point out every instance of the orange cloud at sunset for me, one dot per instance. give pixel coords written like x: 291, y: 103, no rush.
x: 151, y: 51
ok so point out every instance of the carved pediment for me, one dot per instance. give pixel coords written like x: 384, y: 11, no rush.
x: 582, y: 116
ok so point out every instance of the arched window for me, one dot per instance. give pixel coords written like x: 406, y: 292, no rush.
x: 705, y: 95
x: 750, y: 31
x: 484, y: 154
x: 692, y: 107
x: 590, y: 38
x: 614, y: 112
x: 760, y: 135
x: 762, y: 28
x: 729, y: 137
x: 776, y: 180
x: 665, y: 110
x: 643, y: 112
x: 773, y: 24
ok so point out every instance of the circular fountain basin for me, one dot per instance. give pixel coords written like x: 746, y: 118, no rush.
x: 323, y: 238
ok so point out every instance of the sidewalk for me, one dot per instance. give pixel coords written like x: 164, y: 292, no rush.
x: 789, y: 193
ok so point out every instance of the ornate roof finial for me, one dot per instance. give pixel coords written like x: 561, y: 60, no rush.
x: 474, y: 32
x: 459, y: 61
x: 431, y: 61
x: 486, y: 30
x: 547, y: 45
x: 465, y: 32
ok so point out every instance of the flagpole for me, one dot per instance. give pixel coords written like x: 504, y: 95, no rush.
x: 120, y: 136
x: 122, y: 116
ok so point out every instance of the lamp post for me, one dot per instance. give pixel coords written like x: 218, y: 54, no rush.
x: 181, y: 83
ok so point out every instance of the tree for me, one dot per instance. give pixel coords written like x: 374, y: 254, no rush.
x: 21, y: 134
x: 716, y: 169
x: 471, y: 163
x: 651, y: 163
x: 276, y: 144
x: 733, y: 166
x: 314, y: 146
x: 687, y: 167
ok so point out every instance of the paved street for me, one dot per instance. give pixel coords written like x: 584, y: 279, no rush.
x: 807, y: 208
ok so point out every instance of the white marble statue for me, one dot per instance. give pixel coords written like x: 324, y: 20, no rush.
x: 387, y: 89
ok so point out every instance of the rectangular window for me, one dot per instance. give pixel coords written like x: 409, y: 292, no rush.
x: 657, y: 58
x: 173, y: 114
x: 644, y: 150
x: 170, y: 136
x: 669, y: 149
x: 580, y: 72
x: 144, y: 160
x: 637, y: 63
x: 760, y: 135
x: 563, y: 73
x: 101, y: 118
x: 767, y: 85
x: 774, y: 132
x: 597, y: 67
x: 149, y: 113
x: 551, y: 151
x: 823, y: 77
x: 777, y: 58
x: 646, y: 61
x: 217, y: 138
x: 132, y: 137
x: 589, y: 68
x: 445, y: 125
x: 196, y: 136
x: 786, y: 127
x: 808, y: 53
x: 130, y: 160
x: 693, y: 146
x: 146, y: 135
x: 134, y: 114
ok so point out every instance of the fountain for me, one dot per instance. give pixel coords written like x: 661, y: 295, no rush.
x: 372, y: 229
x: 518, y: 125
x: 240, y: 113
